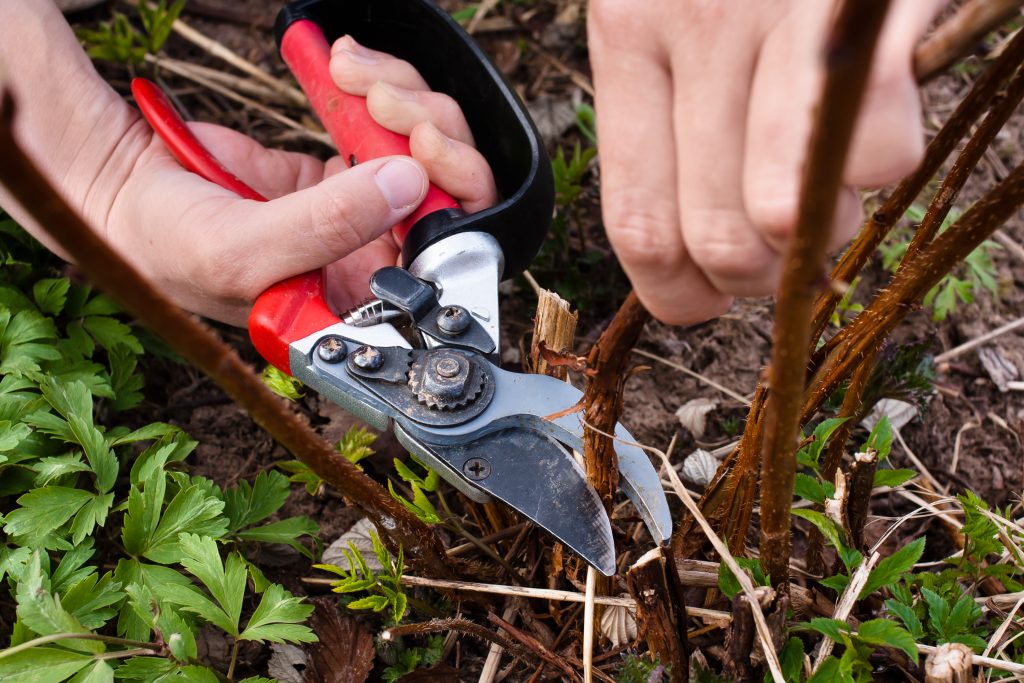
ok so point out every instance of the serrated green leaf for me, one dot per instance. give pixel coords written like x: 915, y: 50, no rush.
x: 225, y: 581
x: 880, y: 438
x: 73, y: 402
x: 791, y: 660
x: 372, y: 602
x: 93, y: 514
x: 247, y: 504
x: 42, y: 665
x: 838, y: 583
x: 278, y: 617
x: 192, y: 600
x: 281, y: 384
x: 893, y: 568
x: 938, y: 609
x: 827, y: 527
x: 355, y: 445
x: 963, y: 615
x: 145, y: 669
x: 41, y: 611
x: 287, y: 531
x: 100, y: 672
x: 111, y: 333
x: 197, y: 674
x: 888, y: 634
x: 93, y: 599
x: 53, y: 467
x: 301, y: 474
x: 907, y: 615
x: 12, y: 434
x: 192, y: 510
x: 50, y: 294
x: 831, y: 628
x: 808, y: 488
x: 893, y: 478
x: 125, y: 383
x: 42, y: 511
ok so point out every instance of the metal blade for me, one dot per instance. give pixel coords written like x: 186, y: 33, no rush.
x: 532, y: 473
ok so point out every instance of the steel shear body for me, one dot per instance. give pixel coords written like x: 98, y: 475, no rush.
x: 418, y: 358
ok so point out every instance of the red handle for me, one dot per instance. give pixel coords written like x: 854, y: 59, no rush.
x: 287, y: 311
x: 357, y: 136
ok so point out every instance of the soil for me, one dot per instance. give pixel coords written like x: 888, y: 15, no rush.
x: 966, y: 417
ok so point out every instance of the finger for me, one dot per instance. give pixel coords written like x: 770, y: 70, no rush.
x: 259, y: 244
x: 710, y: 124
x: 638, y: 178
x: 347, y: 281
x: 355, y: 68
x: 401, y: 110
x: 270, y: 172
x: 455, y: 167
x: 888, y: 140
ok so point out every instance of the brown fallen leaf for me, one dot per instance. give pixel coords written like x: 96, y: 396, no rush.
x: 345, y: 652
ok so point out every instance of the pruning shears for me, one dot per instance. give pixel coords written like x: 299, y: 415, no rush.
x: 419, y: 357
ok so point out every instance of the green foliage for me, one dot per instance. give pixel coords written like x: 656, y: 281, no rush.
x: 383, y: 589
x: 119, y: 41
x: 355, y: 445
x: 400, y: 659
x: 420, y: 504
x: 282, y: 384
x: 853, y: 664
x: 730, y: 586
x: 84, y: 494
x: 642, y: 669
x: 846, y: 308
x: 568, y: 175
x: 586, y: 121
x: 977, y: 274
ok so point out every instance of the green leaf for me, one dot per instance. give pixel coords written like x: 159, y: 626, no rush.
x: 73, y: 402
x: 125, y: 382
x: 811, y: 453
x: 191, y: 600
x: 145, y: 669
x: 111, y: 333
x: 355, y: 445
x: 907, y: 616
x: 100, y: 672
x: 374, y: 602
x: 44, y: 510
x: 963, y: 616
x: 92, y: 599
x: 282, y: 384
x: 791, y: 659
x: 192, y: 510
x: 42, y: 665
x: 53, y: 467
x: 893, y: 478
x: 827, y: 527
x: 833, y: 629
x: 809, y: 488
x: 301, y: 474
x: 287, y: 531
x: 225, y: 581
x: 838, y: 583
x: 25, y: 341
x: 880, y: 438
x: 938, y: 609
x: 888, y: 634
x: 419, y: 506
x: 893, y: 568
x: 12, y: 434
x: 51, y: 294
x: 246, y: 504
x: 278, y: 618
x: 42, y: 612
x: 93, y: 514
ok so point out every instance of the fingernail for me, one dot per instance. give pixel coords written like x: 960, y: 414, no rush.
x: 360, y: 58
x: 401, y: 183
x: 348, y: 43
x: 397, y: 93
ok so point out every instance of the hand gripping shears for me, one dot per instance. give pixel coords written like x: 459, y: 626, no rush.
x: 419, y: 357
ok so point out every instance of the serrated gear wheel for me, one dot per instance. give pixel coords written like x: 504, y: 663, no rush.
x: 446, y: 380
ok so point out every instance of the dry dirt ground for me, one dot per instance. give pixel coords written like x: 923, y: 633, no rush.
x: 544, y: 56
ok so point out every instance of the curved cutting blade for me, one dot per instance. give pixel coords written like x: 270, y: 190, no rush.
x: 532, y: 473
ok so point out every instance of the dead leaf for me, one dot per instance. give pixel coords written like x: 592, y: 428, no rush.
x: 699, y: 467
x: 287, y: 663
x: 553, y: 116
x: 618, y: 625
x: 558, y: 359
x: 359, y: 535
x: 345, y: 652
x: 899, y: 413
x: 1000, y: 369
x: 693, y: 415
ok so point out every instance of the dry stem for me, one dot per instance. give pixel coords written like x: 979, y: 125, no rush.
x: 959, y: 34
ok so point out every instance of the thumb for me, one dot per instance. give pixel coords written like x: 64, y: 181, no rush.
x: 321, y: 224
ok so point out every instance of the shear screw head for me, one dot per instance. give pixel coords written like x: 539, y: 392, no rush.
x: 368, y: 358
x: 453, y: 319
x: 447, y: 367
x: 477, y: 469
x: 331, y: 349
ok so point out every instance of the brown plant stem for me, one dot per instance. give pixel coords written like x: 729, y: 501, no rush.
x: 848, y: 61
x: 531, y: 644
x: 1004, y: 105
x: 862, y: 480
x: 656, y: 612
x: 883, y: 219
x: 460, y: 625
x: 200, y: 346
x: 960, y: 34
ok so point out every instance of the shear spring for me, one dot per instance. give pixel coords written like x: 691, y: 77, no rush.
x: 370, y: 312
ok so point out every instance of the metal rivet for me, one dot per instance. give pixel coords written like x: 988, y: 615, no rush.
x: 453, y: 319
x: 331, y: 349
x: 447, y: 367
x: 477, y: 469
x: 368, y: 358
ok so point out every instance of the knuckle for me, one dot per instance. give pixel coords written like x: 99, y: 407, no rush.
x: 642, y: 233
x: 774, y: 217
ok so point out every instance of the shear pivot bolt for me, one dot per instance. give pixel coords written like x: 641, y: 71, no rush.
x: 331, y: 350
x: 477, y: 469
x: 368, y: 358
x: 453, y: 319
x: 447, y: 367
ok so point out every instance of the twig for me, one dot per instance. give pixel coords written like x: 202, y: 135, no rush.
x: 959, y: 34
x: 1011, y: 245
x: 846, y: 602
x: 947, y: 356
x: 221, y: 52
x: 531, y: 643
x: 462, y: 626
x: 696, y: 375
x: 920, y: 466
x: 481, y: 11
x: 589, y: 624
x: 490, y: 668
x: 848, y: 61
x: 200, y: 346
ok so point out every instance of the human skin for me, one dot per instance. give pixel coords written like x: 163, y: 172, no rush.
x: 704, y: 109
x: 209, y: 250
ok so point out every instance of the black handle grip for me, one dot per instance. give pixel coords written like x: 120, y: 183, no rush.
x: 452, y: 63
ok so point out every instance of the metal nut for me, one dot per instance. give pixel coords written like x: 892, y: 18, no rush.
x: 368, y: 358
x: 453, y: 320
x: 331, y: 349
x: 476, y: 469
